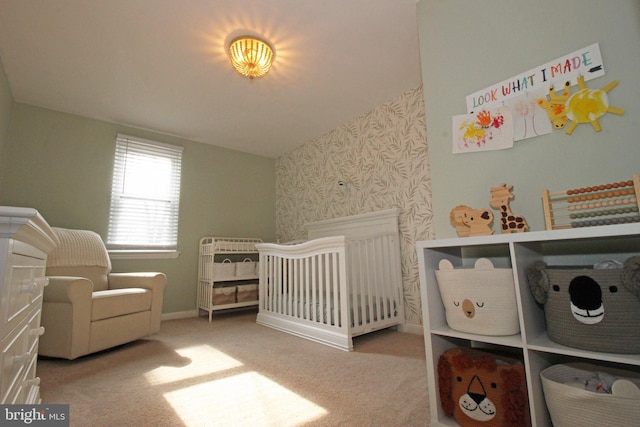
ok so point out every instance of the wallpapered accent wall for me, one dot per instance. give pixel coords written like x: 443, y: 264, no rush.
x: 377, y: 161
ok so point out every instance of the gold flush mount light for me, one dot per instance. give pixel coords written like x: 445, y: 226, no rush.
x: 250, y: 56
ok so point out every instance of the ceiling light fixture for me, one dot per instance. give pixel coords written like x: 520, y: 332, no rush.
x: 251, y: 56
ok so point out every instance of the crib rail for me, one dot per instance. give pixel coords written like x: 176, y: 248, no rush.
x: 375, y: 282
x: 303, y: 289
x: 331, y: 289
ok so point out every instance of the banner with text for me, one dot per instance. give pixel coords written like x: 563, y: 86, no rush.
x: 586, y: 62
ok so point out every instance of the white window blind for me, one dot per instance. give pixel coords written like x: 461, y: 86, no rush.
x: 145, y: 195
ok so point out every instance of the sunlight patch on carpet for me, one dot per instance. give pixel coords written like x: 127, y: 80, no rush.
x: 244, y: 399
x: 199, y: 360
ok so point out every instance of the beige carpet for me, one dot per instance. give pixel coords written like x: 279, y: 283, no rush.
x: 234, y: 372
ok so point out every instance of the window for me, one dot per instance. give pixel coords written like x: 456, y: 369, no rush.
x: 145, y: 196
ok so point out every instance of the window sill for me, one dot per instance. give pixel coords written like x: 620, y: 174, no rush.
x: 142, y: 254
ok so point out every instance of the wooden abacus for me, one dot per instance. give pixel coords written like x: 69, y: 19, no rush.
x: 605, y: 204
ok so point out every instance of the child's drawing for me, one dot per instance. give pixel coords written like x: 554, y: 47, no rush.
x: 529, y: 119
x: 486, y: 130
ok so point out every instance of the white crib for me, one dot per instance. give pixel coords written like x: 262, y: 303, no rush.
x: 344, y: 282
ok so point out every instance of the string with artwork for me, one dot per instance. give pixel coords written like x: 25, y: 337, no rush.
x: 528, y: 105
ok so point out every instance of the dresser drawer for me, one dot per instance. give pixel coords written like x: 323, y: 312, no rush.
x: 23, y: 284
x: 28, y: 386
x: 14, y: 359
x: 19, y: 352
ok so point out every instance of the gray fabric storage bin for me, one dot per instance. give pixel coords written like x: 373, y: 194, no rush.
x: 590, y: 309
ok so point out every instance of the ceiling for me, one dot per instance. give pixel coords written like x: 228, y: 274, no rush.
x: 162, y: 64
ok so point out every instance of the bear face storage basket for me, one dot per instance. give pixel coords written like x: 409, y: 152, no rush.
x: 482, y: 389
x: 479, y: 300
x: 590, y: 309
x: 585, y: 395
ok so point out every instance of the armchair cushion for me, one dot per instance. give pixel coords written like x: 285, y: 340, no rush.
x: 118, y: 302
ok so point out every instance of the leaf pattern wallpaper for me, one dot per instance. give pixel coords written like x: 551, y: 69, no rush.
x: 377, y: 161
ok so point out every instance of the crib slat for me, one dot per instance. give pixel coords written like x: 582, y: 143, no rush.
x: 314, y: 289
x: 294, y: 288
x: 307, y: 296
x: 335, y: 310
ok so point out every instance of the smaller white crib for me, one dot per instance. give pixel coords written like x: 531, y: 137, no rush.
x: 334, y: 287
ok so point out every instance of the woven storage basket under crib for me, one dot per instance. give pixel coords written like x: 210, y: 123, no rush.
x: 590, y: 309
x: 571, y: 406
x: 479, y: 300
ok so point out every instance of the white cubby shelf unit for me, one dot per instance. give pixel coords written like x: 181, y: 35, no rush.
x: 579, y: 246
x: 212, y: 252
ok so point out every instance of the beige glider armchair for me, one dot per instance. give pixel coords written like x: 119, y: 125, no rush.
x: 86, y: 308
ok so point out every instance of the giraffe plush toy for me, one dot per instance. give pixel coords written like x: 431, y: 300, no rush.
x: 510, y: 222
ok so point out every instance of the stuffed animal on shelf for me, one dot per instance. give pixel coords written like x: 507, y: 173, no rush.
x: 471, y: 222
x: 509, y: 222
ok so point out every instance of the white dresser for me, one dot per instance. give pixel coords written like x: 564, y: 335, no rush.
x: 25, y: 241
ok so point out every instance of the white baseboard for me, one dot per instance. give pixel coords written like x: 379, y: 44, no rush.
x: 413, y: 328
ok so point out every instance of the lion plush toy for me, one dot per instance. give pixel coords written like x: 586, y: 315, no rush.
x: 481, y: 389
x: 596, y: 309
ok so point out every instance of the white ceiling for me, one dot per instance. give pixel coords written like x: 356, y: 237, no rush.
x: 162, y: 64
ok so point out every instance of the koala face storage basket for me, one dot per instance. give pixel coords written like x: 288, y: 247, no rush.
x: 585, y: 395
x: 590, y: 309
x: 479, y: 300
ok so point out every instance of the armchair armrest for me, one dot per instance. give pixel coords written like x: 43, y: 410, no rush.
x: 67, y: 289
x: 66, y: 317
x: 148, y: 280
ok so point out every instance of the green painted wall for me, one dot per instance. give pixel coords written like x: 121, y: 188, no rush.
x: 61, y: 164
x: 6, y: 106
x: 466, y: 46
